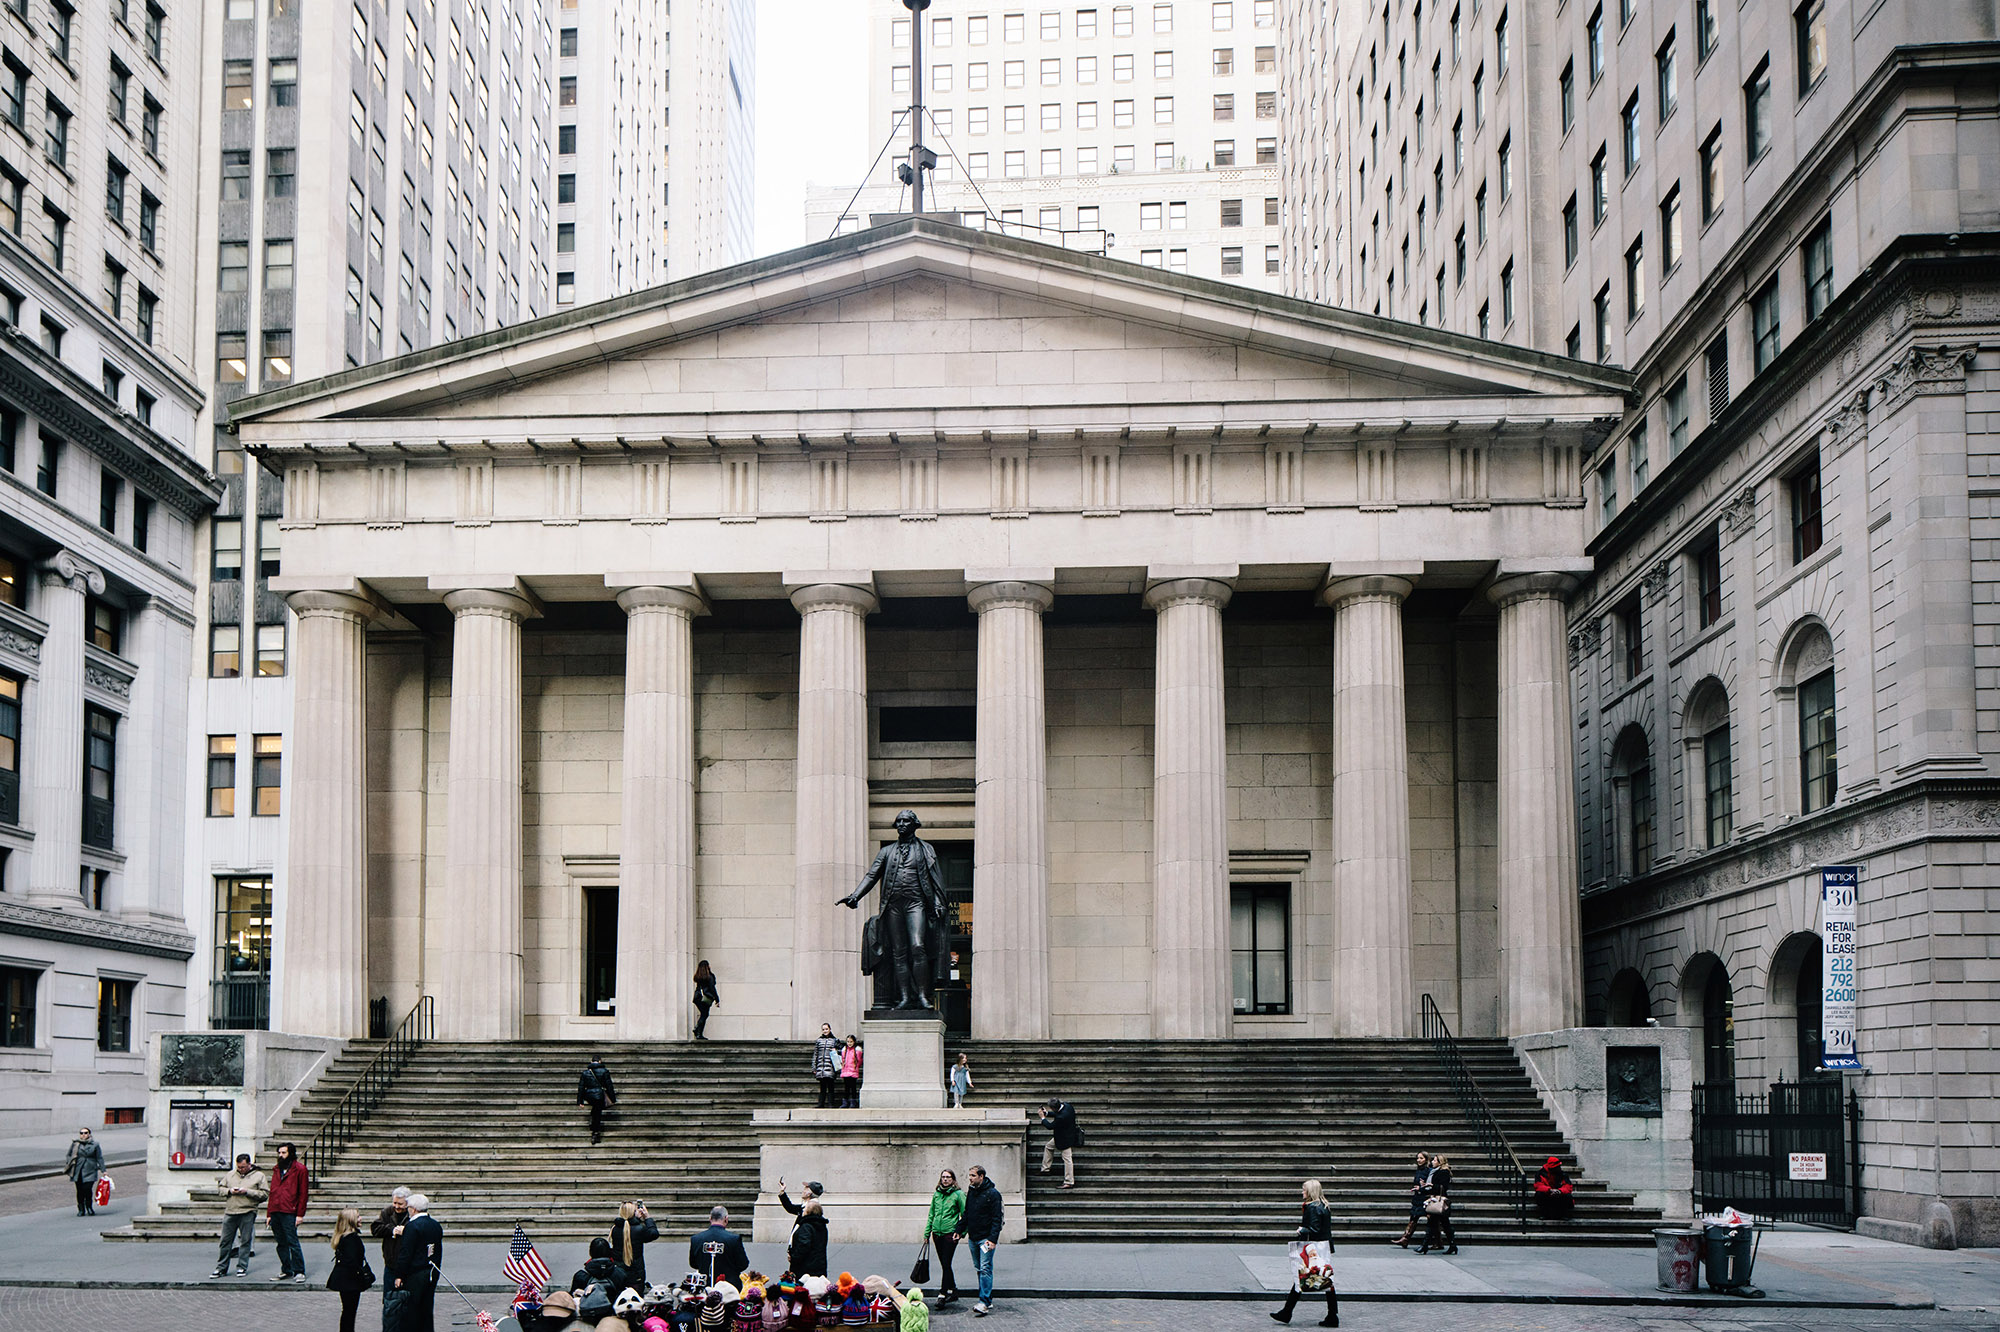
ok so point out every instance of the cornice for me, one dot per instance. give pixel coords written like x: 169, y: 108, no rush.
x: 93, y: 931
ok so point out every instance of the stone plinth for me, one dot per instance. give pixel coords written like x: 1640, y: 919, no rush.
x: 278, y: 1069
x: 1652, y: 1156
x: 902, y: 1063
x: 880, y: 1167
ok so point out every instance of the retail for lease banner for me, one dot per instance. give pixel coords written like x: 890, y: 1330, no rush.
x: 1839, y: 886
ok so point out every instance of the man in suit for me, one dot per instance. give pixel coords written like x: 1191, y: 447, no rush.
x: 419, y: 1256
x: 717, y: 1252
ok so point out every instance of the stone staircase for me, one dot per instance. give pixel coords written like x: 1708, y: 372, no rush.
x: 1186, y: 1141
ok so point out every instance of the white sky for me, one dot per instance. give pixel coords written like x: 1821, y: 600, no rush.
x: 812, y: 109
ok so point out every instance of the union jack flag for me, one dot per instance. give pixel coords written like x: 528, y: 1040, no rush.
x: 524, y: 1266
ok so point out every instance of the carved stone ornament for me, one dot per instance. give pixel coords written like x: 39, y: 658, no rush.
x: 20, y: 644
x: 80, y: 574
x: 1632, y: 1081
x: 108, y: 682
x: 201, y: 1060
x: 1656, y: 581
x: 1739, y: 516
x: 1848, y: 418
x: 1926, y: 370
x: 1584, y: 642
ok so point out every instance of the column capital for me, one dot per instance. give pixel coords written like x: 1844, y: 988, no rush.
x: 1193, y: 590
x: 638, y: 598
x: 66, y: 569
x: 856, y: 596
x: 1512, y: 588
x: 988, y: 589
x: 1340, y: 592
x: 516, y: 605
x: 320, y: 601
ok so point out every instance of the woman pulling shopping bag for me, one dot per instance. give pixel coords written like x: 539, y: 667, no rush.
x: 1312, y: 1252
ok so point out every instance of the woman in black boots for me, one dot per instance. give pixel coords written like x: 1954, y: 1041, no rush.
x: 1437, y: 1208
x: 1315, y: 1226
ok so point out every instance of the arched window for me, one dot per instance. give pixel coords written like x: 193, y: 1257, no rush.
x: 1629, y: 1004
x: 1806, y: 704
x: 1711, y: 768
x: 1718, y: 1029
x: 1632, y: 792
x: 1807, y: 1022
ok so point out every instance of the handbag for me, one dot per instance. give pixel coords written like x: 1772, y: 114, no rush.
x: 1435, y: 1206
x: 920, y: 1275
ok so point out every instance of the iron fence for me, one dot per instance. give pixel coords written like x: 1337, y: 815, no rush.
x: 1791, y: 1153
x: 371, y: 1088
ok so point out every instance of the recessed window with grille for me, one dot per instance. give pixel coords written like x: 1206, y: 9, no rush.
x: 10, y: 749
x: 1715, y: 757
x: 1707, y: 561
x: 1808, y: 534
x: 936, y: 724
x: 240, y: 995
x: 1260, y: 947
x: 114, y: 1015
x: 17, y: 1007
x: 1716, y: 362
x: 100, y: 777
x: 1643, y: 837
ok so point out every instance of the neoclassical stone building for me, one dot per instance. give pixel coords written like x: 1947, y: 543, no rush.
x: 1218, y: 639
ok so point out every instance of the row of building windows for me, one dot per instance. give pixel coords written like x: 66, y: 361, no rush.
x: 19, y: 988
x: 1124, y: 112
x: 1049, y: 73
x: 48, y: 480
x: 1124, y: 160
x: 1231, y: 260
x: 1049, y: 23
x: 100, y: 770
x: 266, y: 775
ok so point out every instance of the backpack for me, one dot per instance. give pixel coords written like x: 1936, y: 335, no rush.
x: 595, y: 1304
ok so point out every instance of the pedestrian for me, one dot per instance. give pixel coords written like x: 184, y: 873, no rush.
x: 419, y: 1264
x: 705, y: 997
x: 595, y: 1092
x: 602, y: 1268
x: 826, y: 1066
x: 1315, y: 1228
x: 291, y: 1186
x: 850, y: 1073
x: 985, y: 1214
x: 630, y: 1234
x: 961, y: 1081
x: 351, y: 1274
x: 1555, y: 1195
x: 84, y: 1162
x: 1059, y: 1117
x: 242, y: 1189
x: 1419, y: 1187
x: 1437, y: 1208
x: 388, y: 1227
x: 717, y: 1252
x: 947, y: 1211
x: 805, y: 1252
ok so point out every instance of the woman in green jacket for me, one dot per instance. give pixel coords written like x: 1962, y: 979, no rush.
x: 947, y: 1210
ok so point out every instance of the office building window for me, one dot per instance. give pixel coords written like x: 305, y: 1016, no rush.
x: 277, y: 265
x: 225, y: 651
x: 221, y: 776
x: 1809, y: 22
x: 1803, y: 490
x: 1600, y: 189
x: 1757, y: 125
x: 1232, y: 260
x: 227, y: 543
x: 49, y: 466
x: 271, y: 649
x: 1707, y: 559
x: 1601, y: 313
x: 1566, y: 95
x: 1719, y: 784
x: 1818, y: 761
x: 1711, y: 174
x: 1260, y: 947
x: 277, y: 357
x: 1593, y: 41
x: 100, y: 768
x: 104, y: 624
x: 233, y: 266
x: 17, y: 1007
x: 236, y: 84
x: 1670, y: 231
x: 10, y: 749
x: 1666, y: 76
x: 267, y: 757
x: 1707, y: 29
x: 242, y: 987
x: 1635, y: 278
x: 1764, y: 325
x: 1678, y: 411
x: 1572, y: 240
x: 1818, y: 259
x: 1628, y: 124
x: 1716, y: 362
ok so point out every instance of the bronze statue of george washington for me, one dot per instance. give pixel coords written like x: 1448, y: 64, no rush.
x: 910, y: 929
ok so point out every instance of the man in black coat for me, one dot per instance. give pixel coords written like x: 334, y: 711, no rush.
x: 419, y: 1256
x: 594, y: 1091
x: 1059, y: 1117
x: 717, y: 1252
x: 980, y: 1227
x: 805, y: 1253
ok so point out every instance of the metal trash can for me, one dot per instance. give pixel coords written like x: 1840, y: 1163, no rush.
x: 1729, y: 1256
x: 1678, y: 1249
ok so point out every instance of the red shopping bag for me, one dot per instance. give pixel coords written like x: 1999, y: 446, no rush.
x: 103, y: 1191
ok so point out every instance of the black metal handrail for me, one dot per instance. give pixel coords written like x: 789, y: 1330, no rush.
x: 1501, y: 1161
x: 371, y: 1088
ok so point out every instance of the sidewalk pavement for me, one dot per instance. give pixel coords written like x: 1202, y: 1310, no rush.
x: 43, y: 1153
x: 1795, y: 1267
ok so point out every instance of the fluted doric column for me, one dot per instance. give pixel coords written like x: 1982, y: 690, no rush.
x: 1191, y: 989
x: 1541, y: 948
x: 55, y: 733
x: 656, y: 917
x: 479, y: 981
x: 324, y: 976
x: 1010, y: 858
x: 1373, y: 985
x: 832, y: 827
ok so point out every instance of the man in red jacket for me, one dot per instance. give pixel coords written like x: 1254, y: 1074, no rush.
x: 290, y: 1187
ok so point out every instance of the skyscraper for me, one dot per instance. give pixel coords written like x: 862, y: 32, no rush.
x: 100, y: 501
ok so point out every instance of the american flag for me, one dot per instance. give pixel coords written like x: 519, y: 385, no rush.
x: 524, y: 1266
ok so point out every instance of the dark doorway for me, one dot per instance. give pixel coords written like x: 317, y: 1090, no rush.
x: 600, y: 952
x: 1718, y: 1021
x: 1811, y: 1011
x: 954, y: 992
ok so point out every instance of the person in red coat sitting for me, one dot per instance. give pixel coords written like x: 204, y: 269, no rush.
x: 1554, y: 1194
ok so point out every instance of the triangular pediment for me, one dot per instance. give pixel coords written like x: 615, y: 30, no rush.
x: 927, y: 317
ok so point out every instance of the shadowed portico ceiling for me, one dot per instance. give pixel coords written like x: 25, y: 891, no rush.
x: 920, y: 332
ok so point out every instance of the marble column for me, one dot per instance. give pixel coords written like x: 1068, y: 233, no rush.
x: 832, y: 848
x: 54, y: 748
x: 1541, y: 948
x: 1374, y: 991
x: 479, y: 980
x: 1191, y: 985
x: 656, y: 917
x: 324, y: 973
x: 1010, y: 856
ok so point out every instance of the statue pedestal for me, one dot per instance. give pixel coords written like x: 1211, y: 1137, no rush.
x: 880, y: 1167
x: 902, y: 1062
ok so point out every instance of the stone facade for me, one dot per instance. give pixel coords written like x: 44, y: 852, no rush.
x: 917, y: 475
